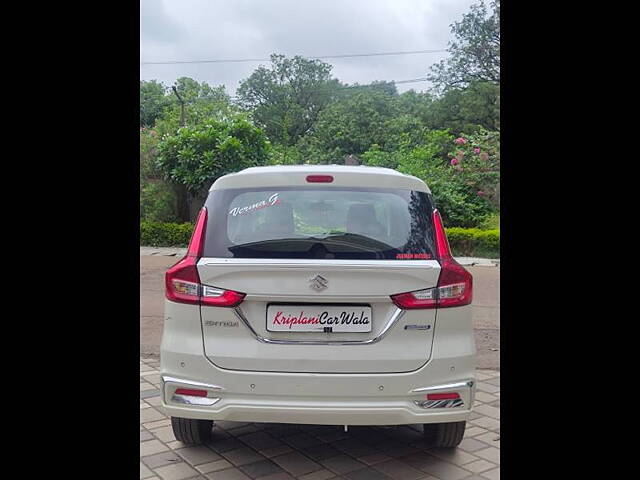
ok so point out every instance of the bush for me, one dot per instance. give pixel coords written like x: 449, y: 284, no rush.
x: 473, y: 242
x: 157, y: 202
x: 158, y: 234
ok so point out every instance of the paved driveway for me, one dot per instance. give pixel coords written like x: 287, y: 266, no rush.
x: 243, y: 451
x: 486, y: 308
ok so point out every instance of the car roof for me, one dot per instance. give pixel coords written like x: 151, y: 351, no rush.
x: 344, y: 176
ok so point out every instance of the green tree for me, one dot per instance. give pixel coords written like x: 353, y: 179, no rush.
x: 352, y: 124
x: 202, y: 102
x: 466, y: 109
x: 153, y: 102
x: 286, y: 98
x: 475, y: 51
x: 198, y: 154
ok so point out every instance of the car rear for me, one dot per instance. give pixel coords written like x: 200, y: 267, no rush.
x: 322, y: 295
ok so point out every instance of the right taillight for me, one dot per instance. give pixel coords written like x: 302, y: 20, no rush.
x: 455, y: 284
x: 182, y: 282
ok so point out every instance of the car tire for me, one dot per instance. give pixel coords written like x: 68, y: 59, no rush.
x: 191, y: 431
x: 445, y: 435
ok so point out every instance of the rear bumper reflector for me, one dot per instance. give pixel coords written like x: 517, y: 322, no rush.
x: 453, y: 403
x: 191, y: 400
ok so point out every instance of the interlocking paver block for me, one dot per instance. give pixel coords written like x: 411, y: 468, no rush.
x: 230, y: 474
x: 242, y: 456
x: 374, y: 458
x: 472, y: 445
x: 278, y: 476
x: 296, y: 464
x: 214, y: 466
x: 164, y: 434
x: 492, y: 474
x: 488, y: 410
x: 487, y: 387
x: 342, y: 464
x: 198, y: 455
x: 398, y: 470
x: 225, y: 444
x: 150, y: 393
x: 150, y: 415
x: 446, y: 471
x: 356, y: 448
x: 319, y: 475
x: 491, y: 438
x: 274, y: 451
x: 479, y: 466
x: 260, y: 440
x: 161, y: 459
x: 456, y: 456
x: 473, y: 431
x: 366, y: 474
x: 261, y: 469
x: 485, y: 397
x: 152, y: 446
x: 492, y: 454
x: 144, y: 471
x: 301, y: 440
x: 321, y: 452
x: 178, y: 471
x: 484, y: 422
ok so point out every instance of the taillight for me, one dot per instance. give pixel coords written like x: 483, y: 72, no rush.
x: 455, y: 284
x: 182, y: 282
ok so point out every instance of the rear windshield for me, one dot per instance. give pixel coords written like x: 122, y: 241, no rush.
x: 319, y: 223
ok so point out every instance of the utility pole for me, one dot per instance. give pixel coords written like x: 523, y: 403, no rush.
x: 175, y: 90
x: 182, y: 196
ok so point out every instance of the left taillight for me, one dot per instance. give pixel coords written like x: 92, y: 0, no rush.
x: 455, y: 284
x: 182, y: 282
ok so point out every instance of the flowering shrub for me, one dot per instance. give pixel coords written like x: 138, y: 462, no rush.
x: 476, y: 162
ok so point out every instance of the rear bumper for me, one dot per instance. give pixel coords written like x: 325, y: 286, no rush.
x: 313, y: 409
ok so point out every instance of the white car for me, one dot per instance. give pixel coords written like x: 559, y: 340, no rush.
x: 318, y: 294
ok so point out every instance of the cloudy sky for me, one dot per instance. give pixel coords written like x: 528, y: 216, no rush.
x: 182, y: 30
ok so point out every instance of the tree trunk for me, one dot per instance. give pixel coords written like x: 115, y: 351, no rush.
x: 182, y: 202
x: 196, y: 202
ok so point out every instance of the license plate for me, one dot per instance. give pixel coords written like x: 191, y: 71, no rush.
x: 312, y: 318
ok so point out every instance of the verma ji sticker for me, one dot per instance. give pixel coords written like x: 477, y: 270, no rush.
x: 272, y: 200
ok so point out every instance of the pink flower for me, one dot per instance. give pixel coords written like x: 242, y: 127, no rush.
x: 480, y: 193
x: 460, y: 141
x: 454, y: 161
x: 476, y: 150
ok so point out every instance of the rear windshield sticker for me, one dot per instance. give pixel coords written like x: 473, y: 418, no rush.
x: 272, y: 200
x: 413, y: 256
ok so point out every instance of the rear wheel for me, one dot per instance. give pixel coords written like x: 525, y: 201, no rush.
x: 445, y: 435
x: 191, y: 431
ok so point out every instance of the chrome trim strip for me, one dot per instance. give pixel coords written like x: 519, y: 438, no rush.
x: 191, y: 400
x: 316, y: 263
x: 192, y: 383
x: 449, y: 403
x: 392, y: 321
x: 448, y: 386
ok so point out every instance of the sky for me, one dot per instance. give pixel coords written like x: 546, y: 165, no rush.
x: 179, y: 30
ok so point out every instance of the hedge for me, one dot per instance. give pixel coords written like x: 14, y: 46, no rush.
x: 157, y: 234
x: 471, y: 242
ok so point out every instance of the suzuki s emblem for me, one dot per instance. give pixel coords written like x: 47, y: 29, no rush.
x: 318, y: 283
